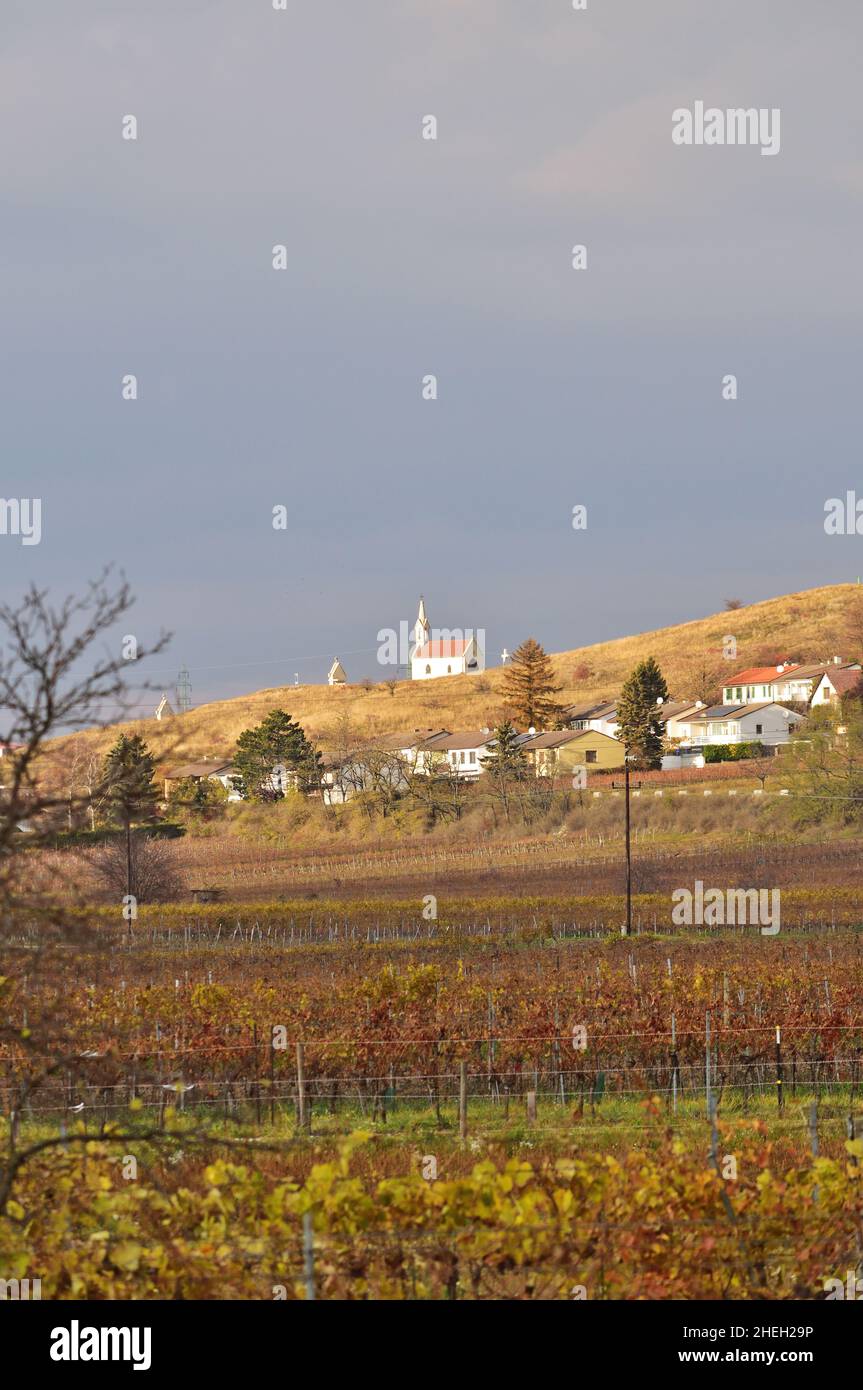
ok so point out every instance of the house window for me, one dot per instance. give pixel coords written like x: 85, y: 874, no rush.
x: 449, y: 670
x: 428, y: 670
x: 590, y: 755
x: 473, y: 757
x: 461, y: 757
x: 758, y: 728
x: 826, y: 692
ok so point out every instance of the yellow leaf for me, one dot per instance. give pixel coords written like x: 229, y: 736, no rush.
x: 126, y: 1255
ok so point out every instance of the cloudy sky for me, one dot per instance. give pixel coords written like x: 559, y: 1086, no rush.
x: 406, y: 257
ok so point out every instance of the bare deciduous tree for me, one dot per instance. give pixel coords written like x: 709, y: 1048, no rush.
x: 154, y: 873
x: 47, y: 689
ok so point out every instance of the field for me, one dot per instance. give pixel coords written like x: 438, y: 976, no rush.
x: 344, y: 1099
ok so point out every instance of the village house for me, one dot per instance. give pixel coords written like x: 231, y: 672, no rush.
x: 408, y: 744
x: 562, y: 750
x: 765, y: 722
x: 389, y: 759
x: 393, y: 758
x: 783, y: 682
x: 676, y: 717
x: 834, y: 685
x: 602, y: 716
x: 599, y: 715
x: 802, y: 680
x: 462, y: 752
x: 213, y: 769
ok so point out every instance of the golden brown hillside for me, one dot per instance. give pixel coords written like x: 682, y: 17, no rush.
x: 811, y: 625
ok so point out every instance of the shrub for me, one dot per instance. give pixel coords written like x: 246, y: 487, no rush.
x: 732, y: 752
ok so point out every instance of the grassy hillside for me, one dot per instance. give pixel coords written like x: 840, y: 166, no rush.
x: 810, y: 626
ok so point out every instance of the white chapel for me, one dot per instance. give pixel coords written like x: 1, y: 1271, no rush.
x: 444, y: 651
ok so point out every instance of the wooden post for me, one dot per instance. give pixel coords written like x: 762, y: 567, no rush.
x: 308, y: 1252
x: 257, y: 1079
x: 714, y: 1135
x: 675, y: 1064
x: 812, y: 1126
x: 726, y: 1011
x: 531, y: 1107
x: 707, y: 1059
x: 850, y: 1134
x: 462, y: 1100
x: 301, y: 1088
x: 628, y: 931
x: 779, y: 1096
x: 272, y: 1080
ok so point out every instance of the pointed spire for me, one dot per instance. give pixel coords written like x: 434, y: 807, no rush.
x: 421, y: 628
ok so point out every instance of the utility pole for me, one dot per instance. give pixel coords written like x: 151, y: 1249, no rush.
x: 627, y: 931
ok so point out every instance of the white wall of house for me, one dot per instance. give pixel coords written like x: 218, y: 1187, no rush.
x: 785, y: 686
x: 608, y: 726
x: 825, y: 692
x: 224, y: 779
x: 467, y: 762
x: 748, y: 694
x: 470, y: 661
x: 772, y: 725
x: 678, y: 726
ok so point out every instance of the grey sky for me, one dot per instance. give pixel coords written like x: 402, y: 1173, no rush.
x: 408, y: 257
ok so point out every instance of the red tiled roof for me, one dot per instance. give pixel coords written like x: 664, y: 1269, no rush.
x: 760, y: 675
x: 441, y: 649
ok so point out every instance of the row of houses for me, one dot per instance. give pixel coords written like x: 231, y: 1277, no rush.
x: 754, y: 709
x: 751, y: 712
x: 692, y: 725
x: 393, y: 758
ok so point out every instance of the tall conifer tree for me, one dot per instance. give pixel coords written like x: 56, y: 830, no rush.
x: 529, y: 687
x: 639, y: 728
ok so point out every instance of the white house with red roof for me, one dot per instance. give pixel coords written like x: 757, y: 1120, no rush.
x: 783, y: 682
x: 444, y: 651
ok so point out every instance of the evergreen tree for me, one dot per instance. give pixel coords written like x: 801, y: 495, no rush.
x: 505, y: 765
x: 279, y: 741
x: 639, y: 729
x: 529, y: 687
x: 128, y: 775
x: 129, y: 791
